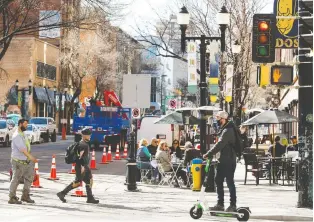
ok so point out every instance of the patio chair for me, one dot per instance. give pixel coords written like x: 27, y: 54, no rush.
x: 166, y: 177
x: 250, y: 159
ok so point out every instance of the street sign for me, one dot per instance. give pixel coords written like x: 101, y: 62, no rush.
x: 136, y: 113
x: 173, y: 103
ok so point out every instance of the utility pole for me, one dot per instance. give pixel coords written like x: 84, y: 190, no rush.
x: 305, y: 177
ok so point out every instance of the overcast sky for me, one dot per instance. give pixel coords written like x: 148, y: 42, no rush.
x: 143, y: 10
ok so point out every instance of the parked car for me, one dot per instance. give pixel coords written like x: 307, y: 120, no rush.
x: 6, y: 132
x: 47, y: 127
x: 33, y: 133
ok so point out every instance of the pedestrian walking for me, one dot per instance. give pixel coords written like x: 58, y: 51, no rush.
x: 83, y: 172
x: 22, y: 164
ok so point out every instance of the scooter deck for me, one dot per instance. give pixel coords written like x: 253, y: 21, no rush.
x: 224, y: 213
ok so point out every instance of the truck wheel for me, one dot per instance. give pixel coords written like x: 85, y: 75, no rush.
x: 46, y: 137
x: 54, y: 136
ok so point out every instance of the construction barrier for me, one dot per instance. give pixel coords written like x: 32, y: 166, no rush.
x: 125, y: 151
x: 117, y: 157
x: 93, y: 162
x: 79, y: 192
x: 104, y: 157
x: 109, y: 156
x: 72, y: 169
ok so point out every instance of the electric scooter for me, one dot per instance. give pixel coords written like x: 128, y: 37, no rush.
x: 196, y: 212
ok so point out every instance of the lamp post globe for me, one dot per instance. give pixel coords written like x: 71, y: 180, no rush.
x: 236, y: 47
x: 183, y: 17
x: 223, y: 17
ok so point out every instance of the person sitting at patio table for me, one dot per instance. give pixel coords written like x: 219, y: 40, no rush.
x: 144, y: 158
x: 190, y: 153
x: 164, y: 162
x: 152, y: 148
x: 175, y: 148
x: 279, y: 149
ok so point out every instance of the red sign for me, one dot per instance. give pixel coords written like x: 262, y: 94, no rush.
x: 135, y: 113
x: 173, y: 103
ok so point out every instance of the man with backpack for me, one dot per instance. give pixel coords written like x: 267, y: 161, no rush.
x: 79, y: 153
x: 226, y: 149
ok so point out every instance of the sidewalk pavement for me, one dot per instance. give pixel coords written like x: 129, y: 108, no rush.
x: 154, y: 203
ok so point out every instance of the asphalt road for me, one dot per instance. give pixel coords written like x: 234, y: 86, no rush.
x: 43, y: 152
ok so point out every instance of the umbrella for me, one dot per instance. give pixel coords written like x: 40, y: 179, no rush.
x: 203, y: 108
x: 271, y: 117
x: 178, y: 119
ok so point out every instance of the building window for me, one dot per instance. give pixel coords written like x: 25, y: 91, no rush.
x: 46, y: 71
x: 153, y: 89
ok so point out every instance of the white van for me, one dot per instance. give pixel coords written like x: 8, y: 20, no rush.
x: 146, y: 129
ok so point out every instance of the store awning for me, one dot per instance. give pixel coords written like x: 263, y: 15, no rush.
x: 51, y: 96
x: 41, y: 95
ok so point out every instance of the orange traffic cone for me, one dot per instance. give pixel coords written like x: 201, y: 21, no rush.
x: 72, y: 169
x: 117, y: 157
x: 93, y: 162
x: 125, y: 151
x: 104, y: 157
x: 109, y: 156
x: 36, y: 183
x: 79, y: 192
x: 53, y: 171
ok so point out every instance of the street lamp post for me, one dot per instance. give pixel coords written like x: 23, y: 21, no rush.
x: 55, y: 104
x: 223, y: 20
x: 236, y: 49
x: 64, y: 128
x: 23, y: 93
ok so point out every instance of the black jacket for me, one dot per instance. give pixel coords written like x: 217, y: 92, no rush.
x: 225, y: 144
x: 177, y: 150
x: 152, y: 149
x: 191, y: 154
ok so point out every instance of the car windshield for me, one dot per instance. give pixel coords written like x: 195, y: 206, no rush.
x: 29, y: 128
x: 38, y: 121
x: 3, y: 124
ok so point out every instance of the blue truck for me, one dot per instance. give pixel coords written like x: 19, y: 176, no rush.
x: 109, y: 122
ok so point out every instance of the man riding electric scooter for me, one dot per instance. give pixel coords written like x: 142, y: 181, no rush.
x: 227, y: 161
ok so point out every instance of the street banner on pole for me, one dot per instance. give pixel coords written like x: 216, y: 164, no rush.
x: 229, y: 83
x: 192, y: 74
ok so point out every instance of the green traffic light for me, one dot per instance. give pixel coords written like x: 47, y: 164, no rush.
x: 262, y: 51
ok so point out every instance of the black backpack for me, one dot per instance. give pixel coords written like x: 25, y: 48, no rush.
x: 71, y: 154
x: 239, y: 145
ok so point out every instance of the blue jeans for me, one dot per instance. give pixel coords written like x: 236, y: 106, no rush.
x: 226, y: 170
x: 147, y: 166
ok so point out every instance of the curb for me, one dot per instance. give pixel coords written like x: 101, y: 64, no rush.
x: 282, y: 218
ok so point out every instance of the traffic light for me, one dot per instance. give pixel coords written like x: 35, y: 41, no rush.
x: 263, y: 75
x: 263, y: 42
x: 281, y: 75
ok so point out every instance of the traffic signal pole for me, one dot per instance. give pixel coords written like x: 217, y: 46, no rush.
x: 305, y: 168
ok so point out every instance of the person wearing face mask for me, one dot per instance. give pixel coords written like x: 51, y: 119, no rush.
x: 22, y: 164
x: 83, y: 172
x: 227, y: 161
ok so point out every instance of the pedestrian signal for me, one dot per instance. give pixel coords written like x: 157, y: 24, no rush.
x: 263, y: 42
x: 281, y: 75
x: 263, y: 75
